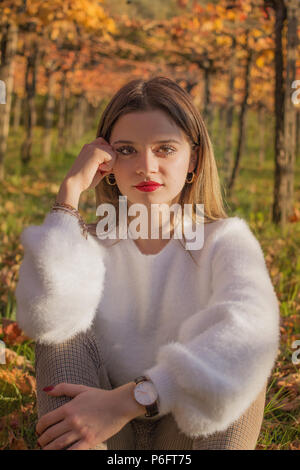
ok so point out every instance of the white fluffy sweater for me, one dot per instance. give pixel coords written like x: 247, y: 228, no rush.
x: 207, y: 335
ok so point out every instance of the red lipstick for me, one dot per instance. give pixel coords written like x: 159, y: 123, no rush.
x: 148, y: 186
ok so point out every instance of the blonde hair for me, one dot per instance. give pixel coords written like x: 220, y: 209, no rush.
x: 162, y: 93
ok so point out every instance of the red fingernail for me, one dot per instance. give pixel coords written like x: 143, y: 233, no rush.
x: 47, y: 389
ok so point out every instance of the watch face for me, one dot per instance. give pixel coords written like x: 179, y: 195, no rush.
x: 145, y: 393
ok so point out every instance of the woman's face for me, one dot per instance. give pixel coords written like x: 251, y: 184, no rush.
x: 143, y: 158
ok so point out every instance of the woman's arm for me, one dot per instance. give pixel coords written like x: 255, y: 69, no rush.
x: 62, y: 274
x: 226, y: 351
x: 92, y: 417
x: 61, y: 279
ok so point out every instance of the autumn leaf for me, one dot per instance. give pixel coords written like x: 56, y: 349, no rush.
x: 12, y: 333
x: 295, y: 217
x: 9, y: 379
x: 10, y: 207
x: 291, y: 381
x: 18, y: 444
x: 290, y: 405
x: 17, y: 360
x: 26, y: 384
x: 295, y: 445
x: 260, y: 61
x: 16, y: 388
x: 13, y: 420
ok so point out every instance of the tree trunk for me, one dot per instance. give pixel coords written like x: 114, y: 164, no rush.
x: 78, y: 113
x: 207, y: 99
x: 298, y: 133
x: 190, y: 85
x: 71, y: 120
x: 49, y: 116
x: 228, y: 141
x: 242, y: 122
x: 74, y: 119
x: 8, y: 51
x: 29, y: 111
x: 285, y: 132
x: 229, y: 118
x: 91, y: 115
x: 17, y: 113
x: 261, y: 133
x: 61, y: 116
x: 220, y: 129
x: 82, y: 108
x: 221, y: 118
x: 293, y: 12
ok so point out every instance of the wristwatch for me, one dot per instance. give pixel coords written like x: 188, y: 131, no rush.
x: 146, y: 395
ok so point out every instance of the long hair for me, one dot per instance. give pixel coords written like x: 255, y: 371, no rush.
x: 162, y: 93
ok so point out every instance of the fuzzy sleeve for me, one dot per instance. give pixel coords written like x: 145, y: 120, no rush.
x: 225, y: 352
x: 60, y: 281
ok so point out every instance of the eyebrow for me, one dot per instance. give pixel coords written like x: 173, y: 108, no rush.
x: 157, y: 142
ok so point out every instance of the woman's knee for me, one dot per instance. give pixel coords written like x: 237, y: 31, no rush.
x: 77, y: 360
x: 240, y: 435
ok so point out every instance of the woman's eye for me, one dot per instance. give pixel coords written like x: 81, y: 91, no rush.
x: 172, y: 150
x: 120, y: 150
x: 126, y: 148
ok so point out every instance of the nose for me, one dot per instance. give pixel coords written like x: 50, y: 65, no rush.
x: 147, y: 163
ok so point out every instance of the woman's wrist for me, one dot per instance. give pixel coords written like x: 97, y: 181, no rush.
x: 68, y: 193
x: 129, y: 407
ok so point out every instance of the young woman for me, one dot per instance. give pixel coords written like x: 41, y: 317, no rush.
x: 151, y: 343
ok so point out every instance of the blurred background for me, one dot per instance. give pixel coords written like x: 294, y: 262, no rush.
x: 60, y: 63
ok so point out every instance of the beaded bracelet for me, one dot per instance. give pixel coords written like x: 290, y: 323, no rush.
x: 73, y: 211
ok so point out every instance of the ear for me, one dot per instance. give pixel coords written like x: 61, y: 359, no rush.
x: 193, y: 159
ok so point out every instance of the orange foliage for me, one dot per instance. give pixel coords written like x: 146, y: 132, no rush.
x: 12, y: 333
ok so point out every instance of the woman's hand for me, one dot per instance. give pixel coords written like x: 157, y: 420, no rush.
x: 94, y: 160
x: 92, y: 417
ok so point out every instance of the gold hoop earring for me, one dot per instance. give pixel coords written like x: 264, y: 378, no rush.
x: 108, y: 180
x: 192, y: 179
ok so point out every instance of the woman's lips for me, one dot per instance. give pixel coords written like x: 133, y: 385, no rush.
x: 148, y: 187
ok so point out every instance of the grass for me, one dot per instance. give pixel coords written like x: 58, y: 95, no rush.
x: 25, y: 198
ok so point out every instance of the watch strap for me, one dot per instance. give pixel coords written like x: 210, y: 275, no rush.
x: 151, y: 410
